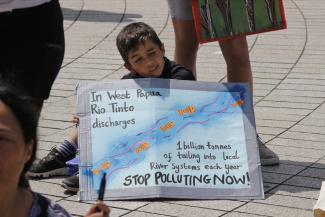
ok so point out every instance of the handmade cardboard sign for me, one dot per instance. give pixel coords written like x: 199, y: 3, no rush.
x: 217, y: 20
x: 167, y: 138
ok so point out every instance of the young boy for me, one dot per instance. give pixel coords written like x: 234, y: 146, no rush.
x: 143, y: 54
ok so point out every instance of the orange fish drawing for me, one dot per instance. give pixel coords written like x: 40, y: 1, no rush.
x: 168, y: 125
x: 238, y: 102
x: 104, y: 166
x: 189, y: 109
x: 143, y: 146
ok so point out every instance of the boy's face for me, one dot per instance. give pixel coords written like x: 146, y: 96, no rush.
x: 147, y: 60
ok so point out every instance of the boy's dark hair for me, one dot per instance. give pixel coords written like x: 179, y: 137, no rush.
x: 26, y: 111
x: 132, y: 35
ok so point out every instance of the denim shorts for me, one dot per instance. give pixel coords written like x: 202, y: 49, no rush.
x: 181, y: 9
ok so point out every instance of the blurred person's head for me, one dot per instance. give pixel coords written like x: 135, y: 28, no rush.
x: 18, y: 135
x: 18, y: 142
x: 141, y: 49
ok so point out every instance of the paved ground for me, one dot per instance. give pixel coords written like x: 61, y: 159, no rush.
x: 289, y: 95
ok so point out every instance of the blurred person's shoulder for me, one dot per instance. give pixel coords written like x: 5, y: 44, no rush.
x: 43, y: 206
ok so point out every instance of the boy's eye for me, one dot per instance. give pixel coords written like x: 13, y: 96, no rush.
x: 152, y: 53
x: 138, y: 60
x: 3, y: 138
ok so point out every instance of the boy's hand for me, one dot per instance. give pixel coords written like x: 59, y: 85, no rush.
x: 102, y: 206
x: 75, y: 119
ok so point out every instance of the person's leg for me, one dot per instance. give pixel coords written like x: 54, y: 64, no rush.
x: 74, y: 136
x: 186, y: 43
x: 69, y: 147
x: 55, y: 162
x: 65, y: 152
x: 32, y: 45
x: 72, y: 183
x: 42, y: 72
x: 236, y: 54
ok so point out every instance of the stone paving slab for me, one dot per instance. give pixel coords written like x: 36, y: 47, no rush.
x: 288, y: 201
x: 283, y: 168
x: 305, y: 182
x: 81, y: 208
x: 270, y: 130
x: 289, y: 98
x: 319, y: 164
x: 49, y: 189
x: 240, y: 214
x: 294, y: 160
x: 275, y: 177
x: 301, y: 192
x: 179, y: 210
x: 277, y: 116
x: 225, y: 205
x: 298, y: 152
x: 142, y: 214
x: 272, y: 210
x: 298, y: 143
x: 130, y: 205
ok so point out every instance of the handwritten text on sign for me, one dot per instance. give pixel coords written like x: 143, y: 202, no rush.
x: 158, y: 136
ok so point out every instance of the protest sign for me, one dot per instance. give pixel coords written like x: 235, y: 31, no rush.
x: 167, y: 138
x: 217, y: 20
